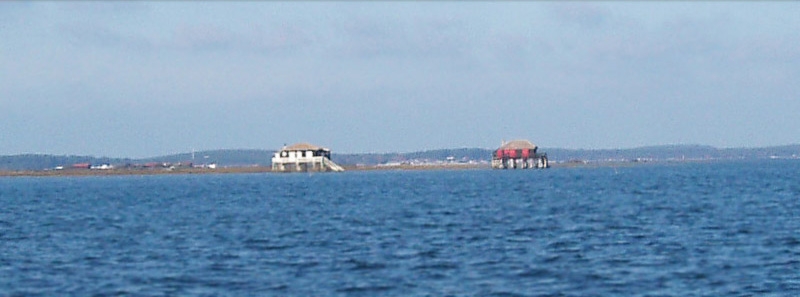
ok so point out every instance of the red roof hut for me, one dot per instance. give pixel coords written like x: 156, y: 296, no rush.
x: 518, y: 154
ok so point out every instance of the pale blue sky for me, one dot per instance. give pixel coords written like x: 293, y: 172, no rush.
x: 136, y: 79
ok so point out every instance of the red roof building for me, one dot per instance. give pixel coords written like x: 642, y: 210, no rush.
x: 518, y: 154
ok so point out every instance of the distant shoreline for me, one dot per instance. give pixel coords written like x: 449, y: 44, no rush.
x: 236, y: 159
x: 265, y: 169
x: 70, y: 172
x: 228, y: 170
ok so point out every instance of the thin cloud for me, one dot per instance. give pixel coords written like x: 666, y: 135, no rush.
x: 92, y: 34
x: 586, y: 15
x: 204, y: 37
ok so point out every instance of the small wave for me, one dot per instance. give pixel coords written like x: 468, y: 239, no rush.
x: 534, y: 273
x: 365, y: 265
x: 437, y: 266
x: 519, y: 239
x: 792, y: 241
x: 264, y: 245
x: 292, y: 233
x: 412, y: 253
x: 366, y: 289
x: 404, y: 253
x: 786, y: 263
x: 691, y: 275
x: 525, y: 231
x: 505, y: 294
x: 551, y: 258
x: 222, y: 256
x: 292, y: 264
x: 563, y: 245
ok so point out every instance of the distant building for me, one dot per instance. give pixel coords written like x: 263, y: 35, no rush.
x: 153, y: 165
x: 304, y: 157
x: 518, y: 154
x: 102, y: 167
x: 82, y: 166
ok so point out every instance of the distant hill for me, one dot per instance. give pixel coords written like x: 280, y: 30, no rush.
x: 240, y: 157
x: 665, y: 152
x: 674, y: 152
x: 653, y: 153
x: 220, y: 157
x: 441, y: 154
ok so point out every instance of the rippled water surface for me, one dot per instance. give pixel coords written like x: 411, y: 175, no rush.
x: 717, y: 229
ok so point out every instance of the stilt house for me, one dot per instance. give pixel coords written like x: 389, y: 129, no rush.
x: 304, y: 157
x: 518, y: 154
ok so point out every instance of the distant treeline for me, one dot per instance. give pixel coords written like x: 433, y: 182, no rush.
x: 40, y: 161
x: 674, y: 152
x: 228, y: 158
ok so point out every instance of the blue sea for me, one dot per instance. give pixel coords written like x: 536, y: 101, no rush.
x: 683, y: 229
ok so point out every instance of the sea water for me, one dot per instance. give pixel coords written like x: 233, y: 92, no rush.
x: 684, y: 229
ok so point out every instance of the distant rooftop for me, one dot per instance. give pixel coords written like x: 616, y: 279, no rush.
x: 303, y: 146
x: 517, y: 145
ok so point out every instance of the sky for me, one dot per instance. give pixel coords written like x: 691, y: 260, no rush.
x: 143, y: 79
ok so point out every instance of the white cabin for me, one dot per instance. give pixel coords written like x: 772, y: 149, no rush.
x: 303, y: 157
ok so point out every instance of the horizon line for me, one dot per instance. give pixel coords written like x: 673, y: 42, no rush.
x: 408, y: 152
